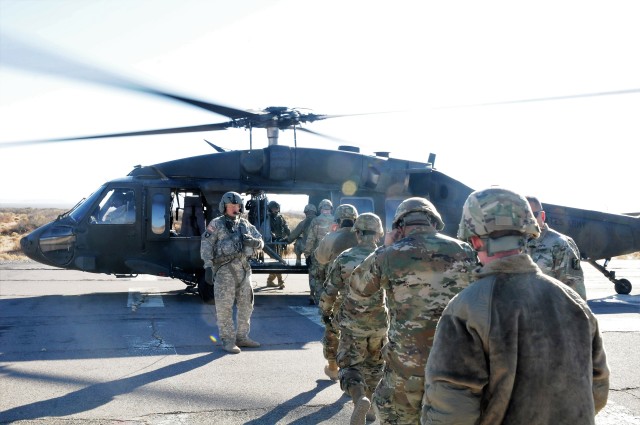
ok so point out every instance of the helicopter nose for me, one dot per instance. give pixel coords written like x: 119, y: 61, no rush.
x: 28, y: 244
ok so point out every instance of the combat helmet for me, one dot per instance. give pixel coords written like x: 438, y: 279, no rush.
x: 498, y: 214
x: 345, y: 212
x: 326, y: 204
x: 310, y: 208
x: 230, y: 198
x: 368, y: 222
x: 413, y: 210
x: 273, y: 204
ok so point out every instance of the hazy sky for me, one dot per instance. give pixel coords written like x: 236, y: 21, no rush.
x: 427, y: 59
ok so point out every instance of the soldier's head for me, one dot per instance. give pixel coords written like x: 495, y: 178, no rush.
x: 417, y: 212
x: 497, y: 221
x: 538, y: 211
x: 231, y: 204
x: 274, y: 207
x: 368, y: 227
x: 310, y: 210
x: 345, y: 215
x: 325, y: 206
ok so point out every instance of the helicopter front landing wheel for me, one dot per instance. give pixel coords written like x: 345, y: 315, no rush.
x: 622, y: 286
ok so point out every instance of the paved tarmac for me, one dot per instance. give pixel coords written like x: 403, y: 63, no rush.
x: 81, y: 348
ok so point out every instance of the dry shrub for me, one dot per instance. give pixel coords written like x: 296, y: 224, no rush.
x: 17, y: 222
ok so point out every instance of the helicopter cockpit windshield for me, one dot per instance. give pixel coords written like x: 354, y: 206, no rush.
x: 82, y: 209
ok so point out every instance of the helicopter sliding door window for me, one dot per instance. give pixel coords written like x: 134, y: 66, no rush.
x: 362, y: 204
x: 390, y: 207
x: 118, y: 206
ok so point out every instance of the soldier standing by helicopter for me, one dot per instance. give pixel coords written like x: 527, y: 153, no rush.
x: 279, y: 233
x: 299, y: 235
x: 227, y: 244
x: 556, y: 254
x: 319, y: 227
x: 328, y: 249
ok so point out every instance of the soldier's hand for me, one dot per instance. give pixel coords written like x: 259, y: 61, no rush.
x: 208, y: 275
x: 251, y: 242
x: 308, y: 261
x: 326, y: 319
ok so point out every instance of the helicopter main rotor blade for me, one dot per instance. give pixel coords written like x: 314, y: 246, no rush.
x: 190, y: 129
x: 325, y: 136
x: 21, y: 55
x: 548, y: 99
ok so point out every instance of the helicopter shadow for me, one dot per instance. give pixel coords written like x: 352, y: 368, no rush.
x: 615, y: 304
x: 111, y: 325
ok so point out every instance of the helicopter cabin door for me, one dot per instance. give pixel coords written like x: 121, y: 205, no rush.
x: 174, y: 240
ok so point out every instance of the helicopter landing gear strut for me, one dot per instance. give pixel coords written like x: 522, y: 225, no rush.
x: 622, y: 286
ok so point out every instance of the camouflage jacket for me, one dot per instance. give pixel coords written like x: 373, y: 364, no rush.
x: 222, y: 241
x: 319, y: 227
x: 558, y: 256
x: 279, y: 226
x: 358, y: 315
x: 420, y: 274
x: 516, y: 347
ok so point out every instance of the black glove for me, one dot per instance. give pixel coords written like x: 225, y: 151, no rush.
x: 251, y: 242
x: 208, y: 275
x: 326, y: 319
x: 308, y: 261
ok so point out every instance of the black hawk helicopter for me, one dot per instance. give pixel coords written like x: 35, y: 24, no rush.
x: 150, y: 221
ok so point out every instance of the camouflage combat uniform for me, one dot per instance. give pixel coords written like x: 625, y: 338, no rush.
x: 222, y: 249
x: 298, y: 235
x: 362, y: 321
x: 517, y: 346
x: 558, y: 256
x: 329, y: 248
x: 319, y: 227
x: 279, y: 232
x: 420, y: 274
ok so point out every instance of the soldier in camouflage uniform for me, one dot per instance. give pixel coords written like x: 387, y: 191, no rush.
x: 362, y: 321
x: 227, y: 244
x: 328, y: 249
x: 556, y: 254
x: 516, y: 346
x: 298, y: 236
x: 318, y: 228
x: 279, y: 233
x: 420, y: 272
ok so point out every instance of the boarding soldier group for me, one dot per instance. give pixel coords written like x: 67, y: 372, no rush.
x: 432, y: 329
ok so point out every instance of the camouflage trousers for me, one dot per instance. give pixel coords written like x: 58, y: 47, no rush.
x: 399, y: 399
x: 233, y: 285
x: 317, y: 275
x: 360, y: 361
x: 330, y: 341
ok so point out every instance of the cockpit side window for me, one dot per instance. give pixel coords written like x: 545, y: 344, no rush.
x: 118, y: 206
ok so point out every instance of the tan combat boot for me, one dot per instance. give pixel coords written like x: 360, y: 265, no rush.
x: 361, y: 405
x: 331, y: 370
x: 270, y: 281
x: 230, y: 347
x: 247, y: 342
x: 280, y: 282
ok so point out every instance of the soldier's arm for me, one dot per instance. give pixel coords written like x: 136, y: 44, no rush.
x: 311, y: 240
x: 253, y: 231
x: 207, y: 242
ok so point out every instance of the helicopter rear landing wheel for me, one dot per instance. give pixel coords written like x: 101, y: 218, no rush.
x: 622, y: 286
x: 205, y: 290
